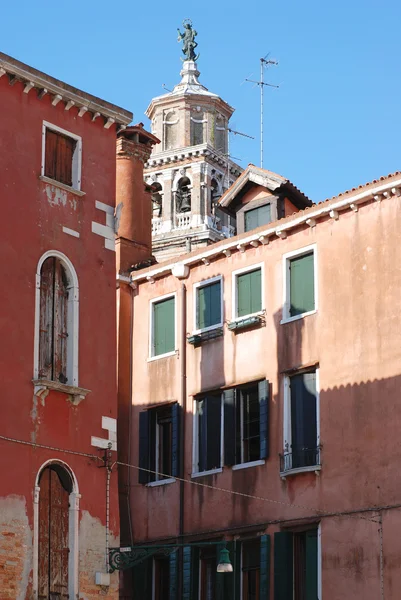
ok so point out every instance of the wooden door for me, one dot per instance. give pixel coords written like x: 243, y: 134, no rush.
x: 53, y: 537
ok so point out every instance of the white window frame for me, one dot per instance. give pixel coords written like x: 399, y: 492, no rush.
x: 287, y: 437
x: 72, y: 317
x: 151, y: 330
x: 235, y: 294
x: 159, y: 481
x: 76, y: 157
x: 196, y: 287
x: 73, y: 531
x: 286, y: 282
x: 195, y: 445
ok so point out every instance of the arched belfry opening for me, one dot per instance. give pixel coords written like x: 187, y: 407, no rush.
x: 53, y: 548
x: 183, y: 195
x: 157, y: 200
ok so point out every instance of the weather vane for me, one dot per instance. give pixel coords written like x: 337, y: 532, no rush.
x: 188, y: 41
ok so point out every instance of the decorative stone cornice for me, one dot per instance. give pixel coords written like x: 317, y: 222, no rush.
x: 60, y: 91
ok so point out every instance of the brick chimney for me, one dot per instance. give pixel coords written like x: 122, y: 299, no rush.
x: 133, y: 202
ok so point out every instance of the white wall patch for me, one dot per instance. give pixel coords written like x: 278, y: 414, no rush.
x: 69, y: 231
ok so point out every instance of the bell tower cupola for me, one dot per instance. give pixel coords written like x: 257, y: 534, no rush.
x: 190, y: 168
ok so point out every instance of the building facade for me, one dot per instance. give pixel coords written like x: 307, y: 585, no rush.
x: 265, y: 413
x: 190, y: 168
x: 58, y: 494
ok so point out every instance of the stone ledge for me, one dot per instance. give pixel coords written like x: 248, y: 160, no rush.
x: 75, y: 394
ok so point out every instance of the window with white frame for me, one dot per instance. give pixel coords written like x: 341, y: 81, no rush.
x: 162, y: 326
x: 247, y: 292
x: 300, y: 289
x: 56, y: 320
x: 301, y: 421
x: 208, y: 432
x: 208, y: 304
x: 61, y: 155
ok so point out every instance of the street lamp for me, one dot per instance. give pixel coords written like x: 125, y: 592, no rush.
x: 224, y: 565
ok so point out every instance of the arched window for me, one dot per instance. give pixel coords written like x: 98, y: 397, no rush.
x: 214, y: 192
x: 55, y: 533
x: 170, y: 131
x: 220, y: 135
x: 183, y: 195
x: 198, y: 124
x: 56, y: 320
x: 157, y: 199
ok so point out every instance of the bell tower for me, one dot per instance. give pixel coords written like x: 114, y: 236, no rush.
x: 190, y: 168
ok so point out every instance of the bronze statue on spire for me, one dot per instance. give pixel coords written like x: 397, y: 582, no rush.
x: 188, y: 40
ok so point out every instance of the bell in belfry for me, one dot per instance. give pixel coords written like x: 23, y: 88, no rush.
x: 185, y: 200
x: 183, y: 195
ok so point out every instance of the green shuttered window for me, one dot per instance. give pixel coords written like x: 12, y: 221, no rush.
x: 208, y: 305
x: 249, y: 292
x: 257, y: 217
x: 163, y: 327
x: 302, y: 284
x: 296, y: 565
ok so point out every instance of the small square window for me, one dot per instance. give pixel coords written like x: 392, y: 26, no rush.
x: 208, y: 305
x: 163, y: 326
x: 300, y: 284
x: 248, y: 293
x: 257, y: 216
x: 207, y: 433
x: 61, y: 160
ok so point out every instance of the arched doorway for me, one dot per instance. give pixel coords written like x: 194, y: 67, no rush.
x: 56, y: 485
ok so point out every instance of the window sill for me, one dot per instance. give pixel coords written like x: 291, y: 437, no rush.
x: 315, y: 468
x: 161, y: 482
x: 158, y: 356
x: 203, y: 473
x: 62, y: 186
x: 42, y: 388
x: 248, y: 465
x: 196, y: 339
x: 296, y: 317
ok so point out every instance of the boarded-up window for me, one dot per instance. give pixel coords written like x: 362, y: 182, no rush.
x: 302, y: 284
x: 59, y: 151
x: 249, y: 293
x: 163, y: 334
x: 55, y: 488
x: 170, y: 131
x: 53, y: 321
x: 257, y: 217
x: 208, y: 305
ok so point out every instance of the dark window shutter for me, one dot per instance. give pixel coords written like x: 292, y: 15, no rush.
x: 163, y: 326
x: 175, y: 440
x: 144, y: 475
x: 60, y: 323
x: 283, y: 566
x: 186, y: 573
x: 209, y: 305
x: 46, y: 319
x: 264, y: 417
x: 302, y: 284
x: 213, y: 443
x: 265, y: 567
x: 243, y: 295
x: 256, y: 290
x: 50, y: 154
x: 65, y: 151
x: 303, y: 419
x: 142, y: 576
x: 173, y: 568
x: 311, y: 565
x: 229, y: 427
x: 257, y: 217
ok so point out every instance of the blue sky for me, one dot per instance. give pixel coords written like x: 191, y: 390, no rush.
x: 333, y: 124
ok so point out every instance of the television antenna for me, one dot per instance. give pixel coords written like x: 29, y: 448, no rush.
x: 264, y: 63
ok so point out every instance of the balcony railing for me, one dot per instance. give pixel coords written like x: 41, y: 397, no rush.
x: 300, y: 459
x: 157, y: 225
x: 183, y: 221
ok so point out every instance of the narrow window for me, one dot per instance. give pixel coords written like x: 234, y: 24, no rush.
x: 53, y: 321
x: 59, y: 153
x: 163, y: 327
x: 302, y: 444
x: 257, y: 217
x: 296, y: 565
x: 251, y: 570
x: 208, y: 305
x: 53, y: 548
x: 159, y: 443
x: 246, y: 412
x: 249, y: 292
x: 302, y: 284
x: 208, y: 418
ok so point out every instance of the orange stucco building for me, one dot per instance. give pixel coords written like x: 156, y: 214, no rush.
x: 265, y: 374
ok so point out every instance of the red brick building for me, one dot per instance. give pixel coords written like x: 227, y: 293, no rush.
x: 58, y: 508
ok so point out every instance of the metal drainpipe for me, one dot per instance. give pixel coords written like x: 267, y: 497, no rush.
x: 183, y: 403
